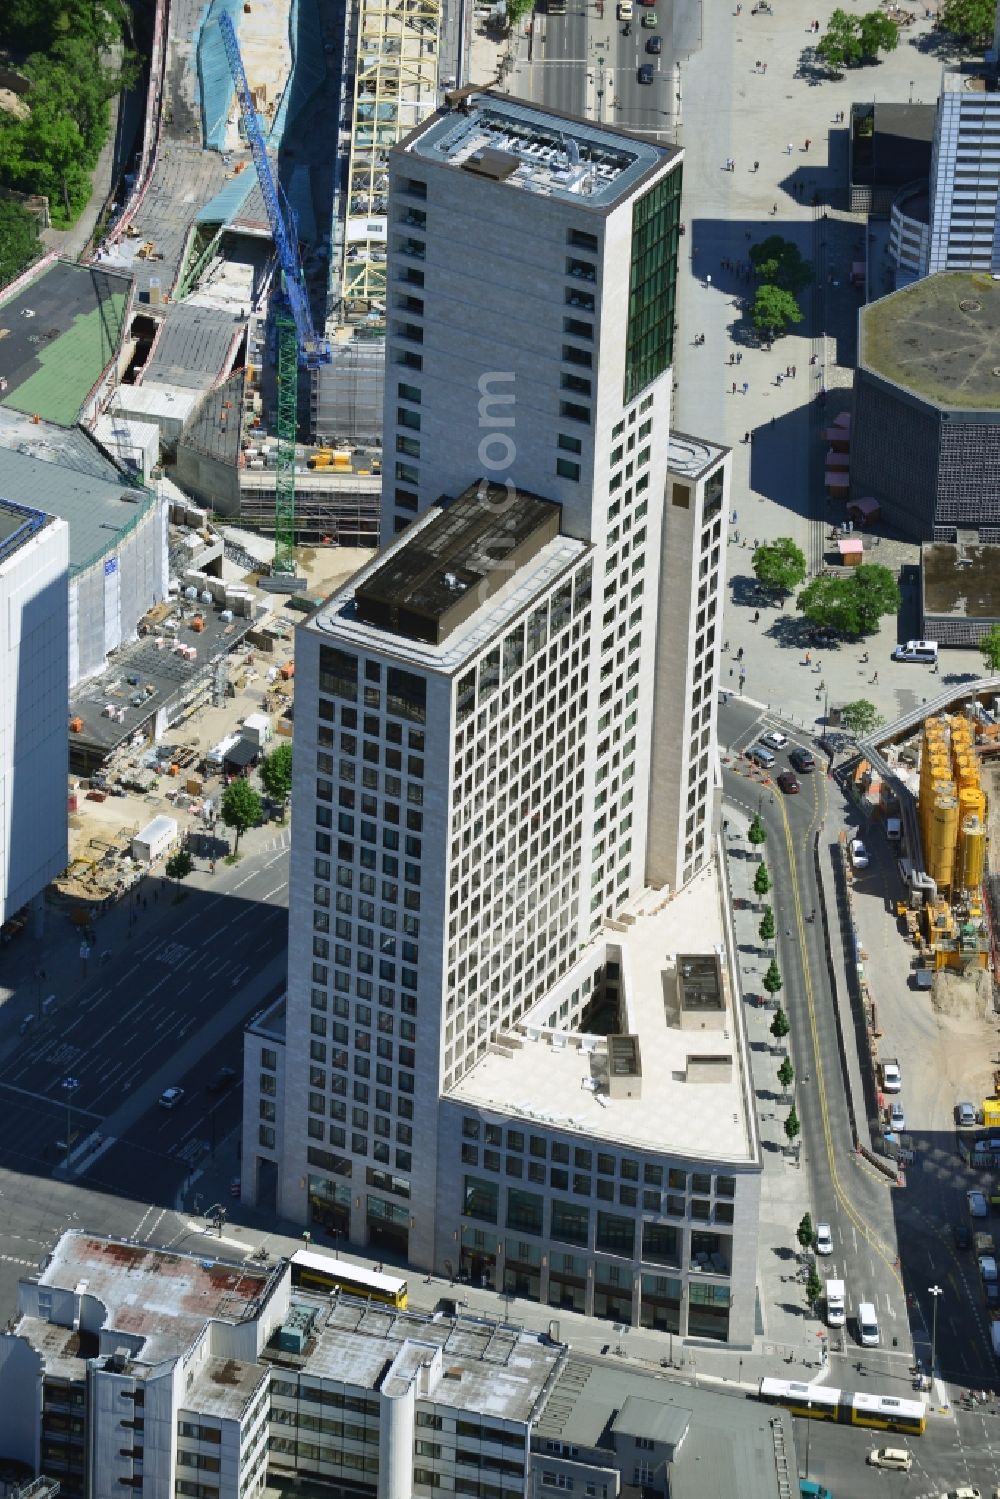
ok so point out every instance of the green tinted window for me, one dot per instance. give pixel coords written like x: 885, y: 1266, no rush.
x: 649, y: 345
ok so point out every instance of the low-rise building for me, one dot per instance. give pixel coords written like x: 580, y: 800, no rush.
x: 164, y: 1373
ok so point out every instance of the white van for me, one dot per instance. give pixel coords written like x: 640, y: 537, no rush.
x: 896, y: 1458
x: 917, y: 650
x: 868, y: 1333
x: 835, y: 1313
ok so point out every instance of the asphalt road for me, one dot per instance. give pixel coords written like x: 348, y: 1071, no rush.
x: 167, y: 1008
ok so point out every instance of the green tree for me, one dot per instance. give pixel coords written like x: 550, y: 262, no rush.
x: 276, y: 774
x: 970, y: 21
x: 773, y: 310
x: 786, y: 1077
x: 840, y: 45
x: 792, y: 1125
x: 852, y: 605
x: 517, y: 10
x: 877, y: 33
x: 761, y: 880
x: 989, y: 645
x: 772, y: 981
x: 814, y: 1286
x: 179, y: 866
x: 779, y: 1025
x: 19, y: 244
x: 779, y: 262
x: 860, y: 717
x: 766, y: 929
x: 241, y: 808
x: 757, y: 832
x: 805, y: 1233
x: 779, y: 565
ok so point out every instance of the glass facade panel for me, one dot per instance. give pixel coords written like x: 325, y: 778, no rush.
x: 649, y: 347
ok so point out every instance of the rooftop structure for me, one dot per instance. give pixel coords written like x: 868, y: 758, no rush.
x: 538, y: 151
x: 156, y: 1299
x: 939, y: 338
x: 712, y: 1445
x: 960, y: 591
x: 690, y: 1096
x: 432, y: 633
x: 496, y: 1371
x: 60, y: 332
x: 445, y: 570
x: 99, y: 511
x: 693, y: 456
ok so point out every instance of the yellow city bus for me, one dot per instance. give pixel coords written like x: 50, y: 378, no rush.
x: 821, y: 1403
x: 322, y: 1272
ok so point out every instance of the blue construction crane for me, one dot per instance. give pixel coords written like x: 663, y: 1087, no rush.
x: 297, y: 339
x: 314, y: 350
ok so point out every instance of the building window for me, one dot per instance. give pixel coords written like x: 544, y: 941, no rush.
x: 567, y: 470
x: 615, y: 1234
x: 649, y: 342
x: 570, y: 1223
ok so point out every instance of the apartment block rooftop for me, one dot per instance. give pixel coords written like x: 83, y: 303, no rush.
x: 473, y: 1364
x: 675, y: 1080
x: 159, y: 1300
x: 939, y: 338
x: 456, y: 577
x: 537, y: 150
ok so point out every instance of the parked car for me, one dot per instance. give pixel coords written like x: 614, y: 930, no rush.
x: 978, y: 1206
x: 965, y: 1115
x: 654, y: 46
x: 774, y: 739
x: 221, y: 1080
x: 824, y: 1239
x: 858, y: 853
x: 897, y: 1117
x: 646, y: 73
x: 170, y: 1098
x: 789, y: 783
x: 801, y: 760
x: 649, y: 20
x: 962, y: 1235
x: 966, y: 1492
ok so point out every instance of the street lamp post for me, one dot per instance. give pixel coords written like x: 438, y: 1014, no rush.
x: 934, y: 1291
x: 70, y: 1085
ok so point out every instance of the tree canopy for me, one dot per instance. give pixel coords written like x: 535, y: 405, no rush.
x: 241, y: 807
x: 860, y: 717
x: 761, y: 880
x: 780, y: 262
x: 63, y: 49
x: 779, y: 564
x: 849, y: 39
x: 19, y: 244
x: 854, y: 604
x: 971, y: 21
x: 276, y: 773
x: 989, y: 644
x: 773, y: 309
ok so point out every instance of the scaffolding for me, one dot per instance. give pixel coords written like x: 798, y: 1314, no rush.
x: 396, y: 80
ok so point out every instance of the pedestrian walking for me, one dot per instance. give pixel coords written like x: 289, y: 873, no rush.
x: 765, y: 68
x: 808, y: 142
x: 739, y: 358
x: 793, y: 371
x: 756, y: 615
x: 746, y: 387
x: 774, y: 210
x: 875, y: 680
x: 734, y: 387
x: 773, y: 420
x: 788, y: 370
x: 756, y: 166
x: 732, y: 359
x: 739, y: 654
x: 746, y: 437
x: 708, y: 280
x: 808, y: 657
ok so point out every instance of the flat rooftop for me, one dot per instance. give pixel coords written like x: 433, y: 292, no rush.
x: 496, y: 1370
x: 441, y: 573
x: 18, y: 523
x: 550, y: 1075
x: 95, y: 508
x: 961, y: 580
x: 159, y: 1297
x: 223, y: 1387
x: 586, y: 1397
x: 692, y: 456
x: 522, y: 145
x: 939, y: 338
x: 340, y: 616
x: 58, y: 334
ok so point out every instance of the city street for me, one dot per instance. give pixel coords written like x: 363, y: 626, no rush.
x: 165, y: 1008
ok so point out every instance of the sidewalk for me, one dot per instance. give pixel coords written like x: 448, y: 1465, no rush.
x: 777, y: 480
